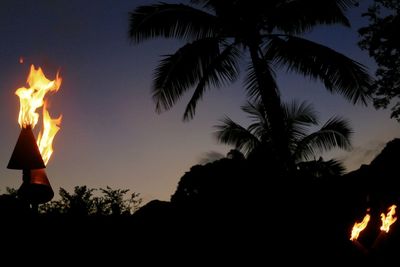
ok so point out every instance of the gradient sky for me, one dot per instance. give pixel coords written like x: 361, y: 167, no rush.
x: 110, y: 134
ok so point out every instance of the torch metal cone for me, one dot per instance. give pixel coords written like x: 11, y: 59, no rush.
x: 26, y: 154
x: 36, y: 187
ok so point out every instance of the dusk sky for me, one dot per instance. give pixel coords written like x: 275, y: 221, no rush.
x: 110, y: 133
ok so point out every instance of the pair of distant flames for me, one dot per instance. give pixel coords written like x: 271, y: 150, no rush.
x: 31, y: 99
x: 387, y: 220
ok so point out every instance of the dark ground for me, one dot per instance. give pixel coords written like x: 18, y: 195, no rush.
x: 215, y: 218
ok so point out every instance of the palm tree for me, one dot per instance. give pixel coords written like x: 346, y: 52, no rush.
x: 219, y: 34
x: 255, y: 140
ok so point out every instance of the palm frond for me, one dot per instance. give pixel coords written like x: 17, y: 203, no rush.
x: 301, y: 113
x: 346, y: 4
x: 320, y: 168
x: 251, y: 82
x: 339, y: 73
x: 255, y: 110
x: 222, y: 70
x: 170, y: 21
x: 260, y: 126
x: 299, y: 16
x: 179, y: 72
x: 333, y: 167
x: 206, y: 4
x: 231, y: 133
x: 335, y: 133
x: 298, y: 118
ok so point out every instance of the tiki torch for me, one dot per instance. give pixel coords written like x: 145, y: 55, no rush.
x: 29, y: 155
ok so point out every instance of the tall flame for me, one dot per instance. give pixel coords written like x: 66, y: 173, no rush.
x: 358, y: 227
x: 46, y: 136
x: 388, y: 219
x: 32, y: 98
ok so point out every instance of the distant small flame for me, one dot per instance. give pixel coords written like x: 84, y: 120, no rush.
x: 358, y: 227
x: 46, y: 136
x: 388, y: 219
x: 21, y: 60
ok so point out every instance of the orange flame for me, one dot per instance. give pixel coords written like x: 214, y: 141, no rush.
x: 358, y: 227
x: 388, y: 219
x: 45, y: 138
x: 31, y: 99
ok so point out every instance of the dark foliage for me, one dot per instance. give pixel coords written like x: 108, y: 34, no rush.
x: 381, y: 39
x: 304, y: 144
x: 82, y: 202
x: 224, y: 213
x: 309, y: 219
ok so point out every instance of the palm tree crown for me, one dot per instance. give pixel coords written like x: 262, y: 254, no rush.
x: 219, y: 34
x: 300, y: 118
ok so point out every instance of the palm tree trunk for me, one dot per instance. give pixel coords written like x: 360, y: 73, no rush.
x: 272, y: 104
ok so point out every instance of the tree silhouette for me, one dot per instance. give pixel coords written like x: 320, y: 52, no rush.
x: 221, y: 34
x: 12, y: 192
x: 10, y: 205
x: 255, y: 140
x: 381, y: 39
x: 83, y: 202
x: 114, y: 203
x: 79, y: 203
x: 214, y: 186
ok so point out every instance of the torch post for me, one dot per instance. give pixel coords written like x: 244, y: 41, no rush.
x: 35, y: 188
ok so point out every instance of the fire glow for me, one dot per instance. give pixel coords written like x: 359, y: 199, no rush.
x: 31, y: 99
x: 359, y: 227
x: 388, y: 219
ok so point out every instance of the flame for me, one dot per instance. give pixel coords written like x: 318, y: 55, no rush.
x: 358, y: 227
x: 32, y: 98
x: 388, y: 219
x: 45, y: 138
x: 21, y: 60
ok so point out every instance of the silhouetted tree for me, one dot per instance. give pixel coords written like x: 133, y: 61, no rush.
x: 11, y: 205
x: 82, y: 202
x: 79, y: 203
x: 254, y: 141
x: 381, y: 39
x: 12, y: 192
x: 219, y: 34
x: 115, y: 204
x: 235, y: 154
x: 210, y: 157
x: 217, y: 184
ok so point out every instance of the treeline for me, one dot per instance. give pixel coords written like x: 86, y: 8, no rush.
x: 83, y: 201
